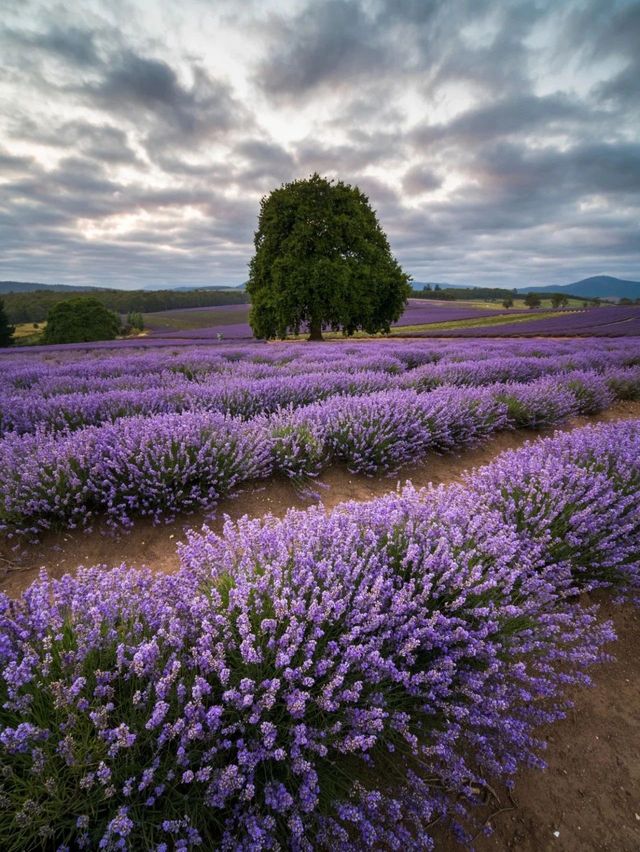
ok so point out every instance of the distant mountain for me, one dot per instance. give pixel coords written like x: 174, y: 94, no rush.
x: 30, y: 286
x: 599, y: 286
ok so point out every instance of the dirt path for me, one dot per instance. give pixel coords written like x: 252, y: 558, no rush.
x: 155, y: 546
x: 588, y: 799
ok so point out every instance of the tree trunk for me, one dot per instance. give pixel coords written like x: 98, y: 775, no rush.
x: 315, y: 330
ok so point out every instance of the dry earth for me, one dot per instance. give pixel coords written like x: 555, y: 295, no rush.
x: 587, y: 799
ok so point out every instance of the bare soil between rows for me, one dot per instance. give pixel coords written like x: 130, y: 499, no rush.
x: 589, y: 796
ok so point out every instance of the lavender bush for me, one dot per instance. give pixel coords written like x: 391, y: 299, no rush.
x: 322, y: 681
x: 162, y: 464
x: 140, y: 466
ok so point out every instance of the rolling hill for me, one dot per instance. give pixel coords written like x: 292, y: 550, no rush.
x: 601, y: 286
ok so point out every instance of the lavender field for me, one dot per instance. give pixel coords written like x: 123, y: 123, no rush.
x: 345, y: 679
x: 230, y: 322
x: 609, y: 321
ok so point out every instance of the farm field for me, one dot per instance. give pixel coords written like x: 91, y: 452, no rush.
x: 231, y: 321
x: 228, y: 323
x: 301, y: 670
x: 424, y: 317
x: 609, y: 321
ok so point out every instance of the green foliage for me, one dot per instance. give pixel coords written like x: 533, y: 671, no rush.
x: 508, y: 302
x: 451, y: 294
x: 80, y: 319
x: 6, y: 330
x: 446, y: 295
x: 559, y: 301
x: 532, y: 300
x: 135, y: 320
x: 36, y: 304
x: 322, y: 260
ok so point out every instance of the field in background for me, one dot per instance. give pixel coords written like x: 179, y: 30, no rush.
x: 231, y: 321
x: 421, y: 317
x: 27, y: 333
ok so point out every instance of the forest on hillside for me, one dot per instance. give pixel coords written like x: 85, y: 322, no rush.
x: 34, y: 306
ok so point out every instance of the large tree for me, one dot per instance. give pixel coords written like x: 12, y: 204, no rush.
x: 79, y: 320
x: 322, y: 261
x: 6, y: 329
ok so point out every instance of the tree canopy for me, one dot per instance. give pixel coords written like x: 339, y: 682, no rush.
x: 532, y: 300
x: 6, y: 330
x: 322, y: 261
x: 80, y: 320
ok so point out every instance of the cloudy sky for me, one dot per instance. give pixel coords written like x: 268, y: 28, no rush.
x: 498, y: 140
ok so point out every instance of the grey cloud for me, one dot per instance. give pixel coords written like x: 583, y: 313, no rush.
x: 501, y: 64
x: 14, y: 163
x: 351, y: 158
x: 103, y: 142
x: 623, y: 89
x: 582, y: 170
x: 137, y: 86
x: 332, y: 42
x: 520, y: 114
x: 262, y: 164
x: 419, y: 179
x: 71, y: 44
x: 265, y: 153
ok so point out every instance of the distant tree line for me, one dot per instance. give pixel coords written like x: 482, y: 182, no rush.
x: 35, y: 305
x: 498, y: 294
x: 453, y: 293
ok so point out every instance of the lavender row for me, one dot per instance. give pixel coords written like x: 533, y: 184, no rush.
x: 599, y: 322
x: 341, y: 680
x: 160, y: 465
x: 28, y: 411
x: 70, y: 372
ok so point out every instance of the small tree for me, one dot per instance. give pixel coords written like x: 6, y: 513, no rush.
x: 135, y: 320
x: 80, y: 320
x: 559, y: 301
x: 507, y: 303
x: 532, y: 300
x: 322, y: 260
x: 6, y: 329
